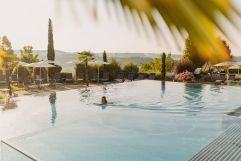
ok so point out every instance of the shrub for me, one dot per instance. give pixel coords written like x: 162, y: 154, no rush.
x: 186, y: 77
x: 54, y: 70
x: 24, y: 74
x: 184, y: 65
x: 113, y: 68
x: 130, y: 67
x: 155, y: 65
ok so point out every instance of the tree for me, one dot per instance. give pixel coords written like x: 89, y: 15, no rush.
x: 51, y: 52
x: 6, y: 45
x: 84, y: 57
x: 184, y: 65
x: 105, y: 57
x: 27, y: 56
x: 7, y: 57
x: 155, y: 66
x: 163, y: 66
x: 24, y: 73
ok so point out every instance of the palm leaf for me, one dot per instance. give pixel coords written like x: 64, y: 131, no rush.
x: 199, y: 18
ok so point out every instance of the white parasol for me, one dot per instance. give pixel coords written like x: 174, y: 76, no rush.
x: 41, y: 64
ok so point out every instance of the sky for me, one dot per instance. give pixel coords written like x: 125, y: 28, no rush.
x: 25, y: 22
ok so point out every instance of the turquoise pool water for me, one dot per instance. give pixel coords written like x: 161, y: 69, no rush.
x: 144, y: 121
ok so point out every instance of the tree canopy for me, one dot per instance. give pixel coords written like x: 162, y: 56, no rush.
x: 27, y: 56
x: 130, y: 67
x: 85, y: 55
x: 105, y: 57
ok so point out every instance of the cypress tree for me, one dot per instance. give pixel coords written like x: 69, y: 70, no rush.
x: 163, y: 66
x: 104, y: 57
x: 51, y: 52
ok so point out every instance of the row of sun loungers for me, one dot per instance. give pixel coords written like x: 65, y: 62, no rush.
x: 13, y: 79
x: 231, y: 78
x: 80, y: 77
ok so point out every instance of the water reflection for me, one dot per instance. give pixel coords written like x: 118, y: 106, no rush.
x: 85, y: 94
x: 9, y: 104
x: 193, y: 95
x: 163, y: 88
x: 216, y: 89
x: 104, y: 89
x: 52, y: 100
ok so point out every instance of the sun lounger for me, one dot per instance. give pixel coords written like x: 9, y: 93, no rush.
x: 69, y: 77
x: 141, y: 76
x: 57, y: 77
x: 80, y: 77
x: 120, y: 77
x: 221, y: 79
x: 2, y: 78
x: 94, y: 77
x: 38, y: 83
x: 28, y: 85
x: 106, y: 77
x: 52, y: 82
x: 231, y: 77
x: 152, y: 76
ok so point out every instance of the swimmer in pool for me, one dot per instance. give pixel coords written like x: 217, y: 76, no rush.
x: 103, y: 100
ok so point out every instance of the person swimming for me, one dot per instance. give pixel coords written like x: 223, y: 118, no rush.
x: 103, y: 100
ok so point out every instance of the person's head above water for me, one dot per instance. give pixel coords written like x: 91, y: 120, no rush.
x: 103, y: 100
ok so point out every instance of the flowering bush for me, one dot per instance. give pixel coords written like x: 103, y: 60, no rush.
x: 184, y: 65
x: 186, y: 77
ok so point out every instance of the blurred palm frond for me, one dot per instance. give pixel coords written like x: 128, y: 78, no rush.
x: 198, y: 18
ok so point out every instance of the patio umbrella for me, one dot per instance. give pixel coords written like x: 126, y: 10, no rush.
x: 23, y: 63
x: 50, y: 61
x: 98, y: 62
x: 235, y: 67
x: 41, y: 64
x: 227, y: 64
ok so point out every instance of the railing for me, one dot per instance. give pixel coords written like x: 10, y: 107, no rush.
x: 10, y: 152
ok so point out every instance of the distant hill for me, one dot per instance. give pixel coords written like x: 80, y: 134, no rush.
x: 65, y: 58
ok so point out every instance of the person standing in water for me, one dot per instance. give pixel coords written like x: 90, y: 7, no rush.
x: 104, y: 100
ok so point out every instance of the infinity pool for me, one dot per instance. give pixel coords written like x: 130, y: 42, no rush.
x: 144, y: 121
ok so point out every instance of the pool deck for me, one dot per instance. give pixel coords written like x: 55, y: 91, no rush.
x: 226, y: 147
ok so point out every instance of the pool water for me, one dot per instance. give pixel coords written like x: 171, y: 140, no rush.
x: 143, y: 121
